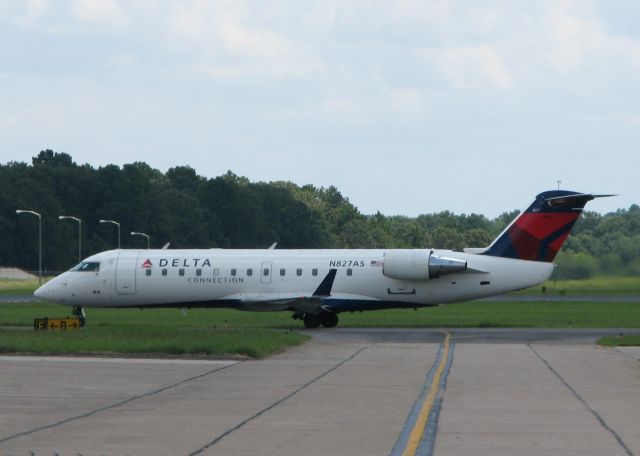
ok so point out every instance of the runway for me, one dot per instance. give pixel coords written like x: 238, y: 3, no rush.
x: 355, y: 392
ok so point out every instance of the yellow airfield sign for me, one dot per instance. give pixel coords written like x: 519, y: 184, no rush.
x: 43, y: 324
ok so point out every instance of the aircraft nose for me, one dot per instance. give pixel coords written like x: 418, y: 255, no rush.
x: 39, y: 293
x: 44, y: 292
x: 49, y: 291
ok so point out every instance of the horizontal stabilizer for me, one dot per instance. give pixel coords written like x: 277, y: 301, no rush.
x: 474, y: 250
x: 581, y: 196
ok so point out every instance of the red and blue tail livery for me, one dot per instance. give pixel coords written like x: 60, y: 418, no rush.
x: 539, y: 232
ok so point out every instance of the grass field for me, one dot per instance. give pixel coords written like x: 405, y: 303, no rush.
x: 622, y: 341
x: 17, y: 287
x: 131, y: 331
x: 474, y: 314
x: 255, y: 343
x: 607, y: 286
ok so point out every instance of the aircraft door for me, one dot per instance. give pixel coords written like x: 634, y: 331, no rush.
x: 265, y: 272
x: 126, y: 272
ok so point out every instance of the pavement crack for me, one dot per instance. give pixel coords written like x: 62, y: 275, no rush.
x: 600, y: 419
x: 112, y: 406
x: 276, y: 403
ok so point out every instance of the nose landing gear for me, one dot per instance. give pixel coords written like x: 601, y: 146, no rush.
x: 78, y: 312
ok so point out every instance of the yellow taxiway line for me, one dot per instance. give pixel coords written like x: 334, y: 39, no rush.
x: 421, y: 423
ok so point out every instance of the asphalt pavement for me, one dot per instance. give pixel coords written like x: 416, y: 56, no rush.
x: 346, y: 392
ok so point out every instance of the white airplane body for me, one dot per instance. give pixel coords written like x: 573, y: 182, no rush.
x: 319, y: 284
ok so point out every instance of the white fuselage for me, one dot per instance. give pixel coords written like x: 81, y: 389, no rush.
x: 275, y: 279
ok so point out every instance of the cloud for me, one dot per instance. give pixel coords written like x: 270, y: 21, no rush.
x: 103, y: 12
x: 581, y: 42
x: 35, y: 10
x: 236, y: 46
x: 322, y: 75
x: 191, y: 25
x: 50, y: 115
x: 631, y: 120
x: 471, y: 67
x: 405, y: 100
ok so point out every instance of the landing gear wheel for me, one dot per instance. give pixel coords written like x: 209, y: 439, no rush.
x: 78, y: 311
x: 311, y: 320
x: 329, y: 319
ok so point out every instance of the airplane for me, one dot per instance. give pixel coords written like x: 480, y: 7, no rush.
x: 317, y: 285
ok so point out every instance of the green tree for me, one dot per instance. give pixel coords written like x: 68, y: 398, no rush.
x: 575, y: 266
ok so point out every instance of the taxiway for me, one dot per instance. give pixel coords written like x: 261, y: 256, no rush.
x: 355, y: 392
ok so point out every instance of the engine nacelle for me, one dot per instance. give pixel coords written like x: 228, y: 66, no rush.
x: 419, y: 265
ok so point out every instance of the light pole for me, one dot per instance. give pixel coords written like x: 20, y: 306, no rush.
x: 23, y: 211
x: 62, y: 217
x: 134, y: 233
x: 115, y: 223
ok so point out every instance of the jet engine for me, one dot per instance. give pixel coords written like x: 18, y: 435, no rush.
x: 419, y: 265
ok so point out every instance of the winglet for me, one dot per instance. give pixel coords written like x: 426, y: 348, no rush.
x: 324, y: 289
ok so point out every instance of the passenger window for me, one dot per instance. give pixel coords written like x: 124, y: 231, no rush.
x: 148, y: 271
x: 249, y: 272
x: 164, y: 272
x: 198, y: 272
x: 216, y: 272
x: 181, y: 272
x: 282, y: 272
x: 298, y: 272
x: 314, y: 272
x: 349, y: 272
x: 265, y: 272
x: 233, y: 271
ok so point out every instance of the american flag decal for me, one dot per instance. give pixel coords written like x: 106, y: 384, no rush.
x: 377, y: 263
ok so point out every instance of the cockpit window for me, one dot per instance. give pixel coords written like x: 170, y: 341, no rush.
x: 87, y: 266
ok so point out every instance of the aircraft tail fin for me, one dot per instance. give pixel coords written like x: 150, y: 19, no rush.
x: 538, y: 233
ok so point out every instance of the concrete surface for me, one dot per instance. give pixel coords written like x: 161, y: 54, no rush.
x: 11, y: 299
x: 348, y: 395
x: 467, y: 335
x: 505, y: 400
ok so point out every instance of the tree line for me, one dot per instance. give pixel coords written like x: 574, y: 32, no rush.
x: 229, y: 211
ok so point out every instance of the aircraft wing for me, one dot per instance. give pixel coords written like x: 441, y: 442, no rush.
x: 308, y: 302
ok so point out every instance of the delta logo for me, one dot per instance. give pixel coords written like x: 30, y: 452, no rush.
x: 147, y: 264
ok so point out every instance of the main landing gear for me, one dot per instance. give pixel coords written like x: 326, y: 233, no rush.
x: 324, y: 318
x: 78, y: 311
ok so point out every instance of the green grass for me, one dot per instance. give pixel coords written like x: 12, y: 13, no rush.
x: 503, y: 314
x: 17, y: 287
x: 151, y: 340
x: 621, y: 341
x: 22, y: 314
x: 152, y: 331
x: 594, y: 286
x: 494, y: 314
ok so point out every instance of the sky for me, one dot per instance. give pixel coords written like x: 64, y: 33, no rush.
x: 406, y: 106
